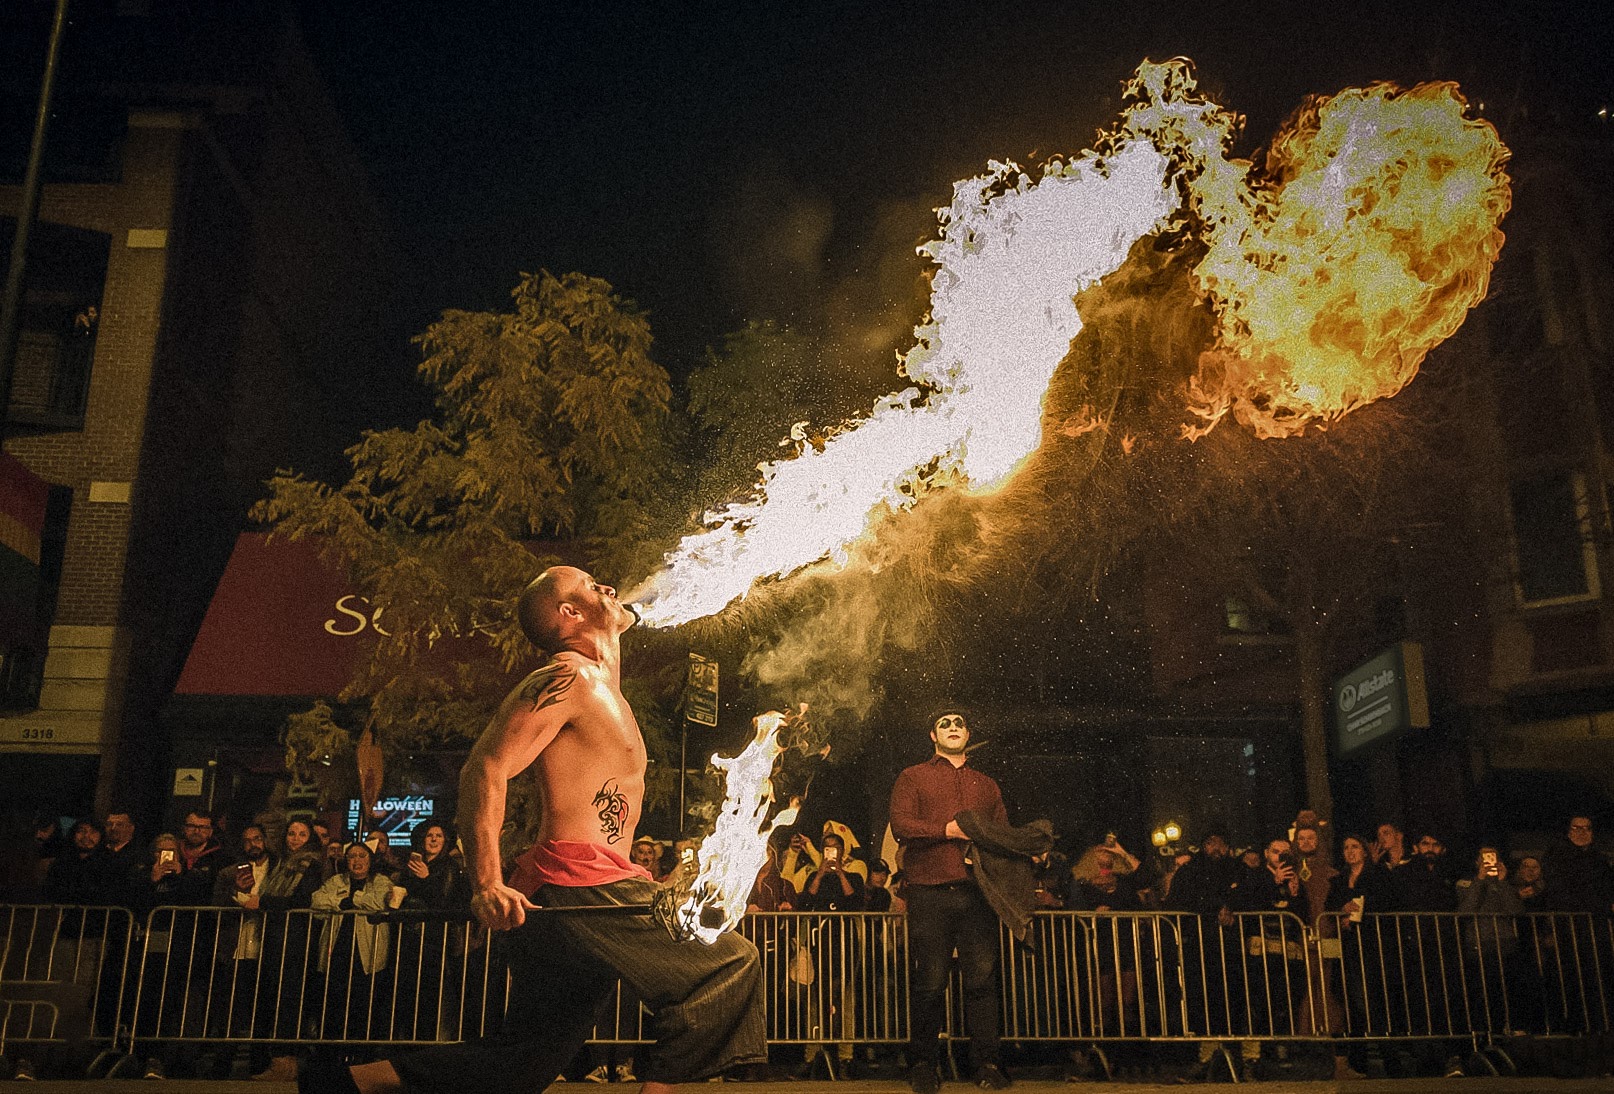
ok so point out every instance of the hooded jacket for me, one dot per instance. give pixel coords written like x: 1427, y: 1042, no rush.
x: 372, y: 939
x: 1003, y: 867
x: 798, y: 868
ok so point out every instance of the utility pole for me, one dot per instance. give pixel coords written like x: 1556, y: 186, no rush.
x: 11, y: 299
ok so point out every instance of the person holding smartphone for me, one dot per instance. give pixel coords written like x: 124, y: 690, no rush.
x: 155, y: 878
x: 1273, y: 980
x: 833, y: 888
x: 186, y: 872
x: 1487, y: 909
x: 182, y: 878
x: 430, y: 881
x: 155, y: 882
x: 430, y: 875
x: 241, y: 993
x: 1486, y: 895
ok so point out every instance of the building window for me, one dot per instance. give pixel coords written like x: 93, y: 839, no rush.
x: 50, y: 382
x: 1555, y: 559
x: 1241, y: 620
x: 1560, y: 294
x: 87, y: 130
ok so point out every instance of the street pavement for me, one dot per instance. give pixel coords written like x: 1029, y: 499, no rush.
x: 1509, y: 1085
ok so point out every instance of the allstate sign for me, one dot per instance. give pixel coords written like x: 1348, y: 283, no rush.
x: 1381, y: 697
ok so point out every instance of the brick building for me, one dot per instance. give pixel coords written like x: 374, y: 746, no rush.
x: 1543, y: 706
x: 211, y: 295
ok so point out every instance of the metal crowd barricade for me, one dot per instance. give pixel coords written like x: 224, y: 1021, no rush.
x: 348, y: 977
x: 1159, y: 976
x: 62, y: 974
x: 225, y: 974
x: 833, y: 977
x: 1419, y: 975
x: 1046, y: 992
x: 207, y: 974
x: 211, y: 974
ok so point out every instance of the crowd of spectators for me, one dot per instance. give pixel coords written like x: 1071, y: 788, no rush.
x: 272, y: 866
x: 100, y: 862
x: 1480, y: 961
x: 830, y: 874
x: 1383, y: 872
x: 1335, y: 883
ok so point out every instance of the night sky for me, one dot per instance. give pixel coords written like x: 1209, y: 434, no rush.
x: 722, y: 164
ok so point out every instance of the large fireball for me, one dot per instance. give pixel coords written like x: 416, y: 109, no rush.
x: 1362, y: 244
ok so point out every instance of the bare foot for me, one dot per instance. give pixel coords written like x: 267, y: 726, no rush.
x: 376, y: 1078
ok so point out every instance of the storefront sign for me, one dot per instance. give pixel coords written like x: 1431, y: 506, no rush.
x: 399, y: 814
x: 700, y: 693
x: 1381, y: 698
x: 348, y: 620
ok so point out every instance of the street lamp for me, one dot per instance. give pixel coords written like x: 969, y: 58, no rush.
x: 1165, y: 837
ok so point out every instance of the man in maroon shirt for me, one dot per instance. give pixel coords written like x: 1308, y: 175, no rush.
x: 946, y: 910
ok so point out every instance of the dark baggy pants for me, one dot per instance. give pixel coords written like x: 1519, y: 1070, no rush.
x: 942, y: 918
x: 706, y: 1001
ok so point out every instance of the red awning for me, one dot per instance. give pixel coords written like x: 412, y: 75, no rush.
x: 281, y: 622
x: 23, y: 500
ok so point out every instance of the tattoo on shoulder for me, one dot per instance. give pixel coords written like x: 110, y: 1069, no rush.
x: 613, y: 806
x: 548, y: 686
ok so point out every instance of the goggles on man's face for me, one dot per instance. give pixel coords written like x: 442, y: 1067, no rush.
x: 951, y: 720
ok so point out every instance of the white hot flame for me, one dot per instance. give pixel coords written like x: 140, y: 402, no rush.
x: 1011, y: 255
x: 735, y: 852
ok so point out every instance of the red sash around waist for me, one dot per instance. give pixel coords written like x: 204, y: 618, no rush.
x: 570, y: 863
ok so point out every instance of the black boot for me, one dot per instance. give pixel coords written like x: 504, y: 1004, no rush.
x: 325, y: 1073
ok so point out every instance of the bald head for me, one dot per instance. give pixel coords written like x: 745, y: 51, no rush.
x: 538, y: 610
x: 565, y: 608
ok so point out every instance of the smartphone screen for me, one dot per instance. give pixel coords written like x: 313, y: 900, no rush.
x: 165, y: 855
x: 832, y: 854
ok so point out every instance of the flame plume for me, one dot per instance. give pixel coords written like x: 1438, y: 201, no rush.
x: 734, y: 853
x: 1010, y: 256
x: 1372, y: 237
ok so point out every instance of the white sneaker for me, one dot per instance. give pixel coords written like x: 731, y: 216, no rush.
x: 624, y: 1074
x: 601, y: 1074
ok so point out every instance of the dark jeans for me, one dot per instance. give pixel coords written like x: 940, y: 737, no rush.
x: 706, y: 1000
x: 941, y: 919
